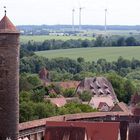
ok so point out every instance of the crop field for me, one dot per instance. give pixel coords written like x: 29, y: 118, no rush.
x: 90, y: 54
x: 119, y: 32
x: 41, y: 38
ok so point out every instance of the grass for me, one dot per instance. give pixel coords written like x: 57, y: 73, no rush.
x: 41, y: 38
x: 90, y: 54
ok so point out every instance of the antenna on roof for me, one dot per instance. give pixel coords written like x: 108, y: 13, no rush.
x: 5, y: 11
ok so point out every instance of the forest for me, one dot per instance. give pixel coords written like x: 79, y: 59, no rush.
x: 122, y: 73
x: 99, y: 41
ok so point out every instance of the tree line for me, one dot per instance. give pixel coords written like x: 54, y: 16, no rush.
x: 122, y: 73
x: 34, y: 63
x: 100, y: 41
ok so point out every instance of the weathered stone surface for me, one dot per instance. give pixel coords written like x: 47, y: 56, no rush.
x: 44, y: 74
x: 9, y: 85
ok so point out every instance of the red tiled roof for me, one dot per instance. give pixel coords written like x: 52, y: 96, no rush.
x: 101, y: 104
x: 121, y: 107
x: 97, y: 86
x: 6, y: 26
x: 124, y: 107
x: 69, y: 84
x: 64, y: 85
x: 136, y: 111
x: 69, y: 117
x: 59, y: 102
x: 95, y: 101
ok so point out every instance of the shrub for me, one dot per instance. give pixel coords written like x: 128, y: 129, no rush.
x: 69, y: 92
x: 85, y: 96
x: 52, y: 95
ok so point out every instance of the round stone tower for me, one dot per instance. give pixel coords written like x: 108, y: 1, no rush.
x: 9, y: 80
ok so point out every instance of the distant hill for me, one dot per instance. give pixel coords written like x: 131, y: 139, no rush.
x: 46, y: 29
x: 84, y: 27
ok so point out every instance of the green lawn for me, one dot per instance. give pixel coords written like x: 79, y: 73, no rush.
x: 90, y: 54
x: 41, y: 38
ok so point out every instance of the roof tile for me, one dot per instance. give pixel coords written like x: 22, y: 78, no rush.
x: 6, y: 26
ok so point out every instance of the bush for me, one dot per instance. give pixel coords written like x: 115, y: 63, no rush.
x: 85, y: 96
x: 29, y: 81
x: 27, y: 111
x: 86, y: 108
x: 69, y: 92
x: 80, y: 59
x: 44, y: 110
x: 25, y: 96
x: 72, y: 108
x: 38, y: 95
x: 123, y: 88
x: 52, y: 95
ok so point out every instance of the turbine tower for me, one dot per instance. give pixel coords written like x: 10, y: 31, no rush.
x: 105, y: 20
x: 73, y: 18
x: 80, y: 18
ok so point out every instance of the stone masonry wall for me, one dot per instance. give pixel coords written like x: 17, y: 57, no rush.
x: 9, y: 86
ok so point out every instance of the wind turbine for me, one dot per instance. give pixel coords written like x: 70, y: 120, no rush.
x: 73, y: 18
x: 105, y: 20
x: 80, y: 17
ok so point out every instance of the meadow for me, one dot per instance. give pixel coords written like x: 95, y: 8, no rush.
x: 90, y: 54
x: 41, y: 38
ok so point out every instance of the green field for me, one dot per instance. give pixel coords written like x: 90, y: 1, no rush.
x: 41, y: 38
x: 90, y: 54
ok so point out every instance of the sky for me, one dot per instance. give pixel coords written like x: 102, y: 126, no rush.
x: 52, y: 12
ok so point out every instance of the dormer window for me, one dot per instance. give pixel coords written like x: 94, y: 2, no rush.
x: 108, y: 91
x: 100, y: 91
x: 93, y: 92
x: 105, y: 86
x: 94, y: 80
x: 91, y: 86
x: 98, y: 85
